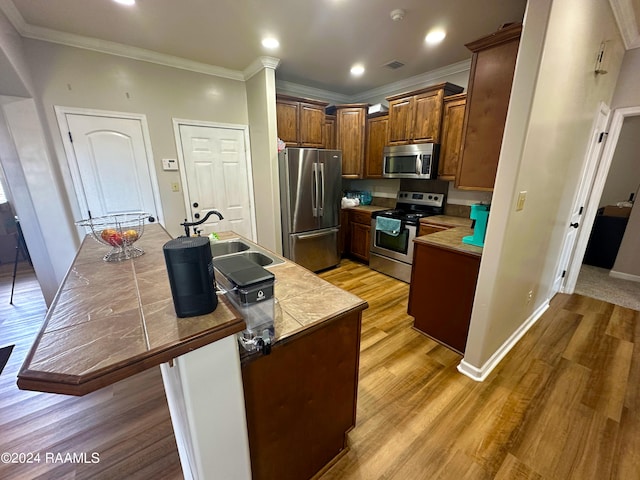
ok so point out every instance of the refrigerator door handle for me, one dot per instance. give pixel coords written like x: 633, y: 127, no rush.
x: 314, y: 235
x: 314, y: 189
x: 321, y: 187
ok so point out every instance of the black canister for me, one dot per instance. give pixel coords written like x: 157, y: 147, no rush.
x: 190, y: 270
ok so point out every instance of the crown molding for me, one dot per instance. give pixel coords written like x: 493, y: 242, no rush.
x: 625, y: 16
x: 13, y: 15
x: 112, y: 48
x: 412, y: 83
x: 259, y: 64
x: 298, y: 90
x: 121, y: 50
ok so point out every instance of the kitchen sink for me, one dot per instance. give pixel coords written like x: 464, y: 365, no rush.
x: 252, y: 252
x: 230, y: 246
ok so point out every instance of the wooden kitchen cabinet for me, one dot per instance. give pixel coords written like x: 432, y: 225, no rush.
x: 416, y: 117
x: 443, y: 285
x: 377, y: 139
x: 358, y: 234
x: 492, y: 67
x: 351, y: 122
x: 302, y: 398
x: 452, y: 123
x: 301, y: 121
x: 330, y: 132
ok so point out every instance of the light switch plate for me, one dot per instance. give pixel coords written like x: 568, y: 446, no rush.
x: 169, y: 164
x: 522, y: 196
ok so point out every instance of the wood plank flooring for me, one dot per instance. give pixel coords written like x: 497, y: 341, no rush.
x: 564, y: 404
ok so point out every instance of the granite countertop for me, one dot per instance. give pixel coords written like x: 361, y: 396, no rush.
x: 451, y: 239
x: 111, y: 320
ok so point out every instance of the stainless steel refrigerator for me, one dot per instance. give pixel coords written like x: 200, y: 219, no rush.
x: 310, y: 193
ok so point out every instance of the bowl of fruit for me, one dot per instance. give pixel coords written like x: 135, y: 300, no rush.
x: 119, y: 231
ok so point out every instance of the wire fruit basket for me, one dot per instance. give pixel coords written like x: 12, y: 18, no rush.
x: 119, y: 231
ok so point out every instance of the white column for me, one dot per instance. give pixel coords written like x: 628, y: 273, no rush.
x: 206, y: 401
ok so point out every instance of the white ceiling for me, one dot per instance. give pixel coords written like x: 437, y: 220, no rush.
x: 319, y: 39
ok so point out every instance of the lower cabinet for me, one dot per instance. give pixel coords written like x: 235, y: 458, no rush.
x: 359, y: 234
x: 301, y: 400
x: 443, y: 285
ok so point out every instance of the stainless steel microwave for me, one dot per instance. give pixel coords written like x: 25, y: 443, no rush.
x: 419, y: 160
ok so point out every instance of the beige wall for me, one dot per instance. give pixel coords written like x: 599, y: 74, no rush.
x: 554, y: 101
x: 624, y: 174
x: 74, y: 77
x: 627, y: 264
x: 628, y: 95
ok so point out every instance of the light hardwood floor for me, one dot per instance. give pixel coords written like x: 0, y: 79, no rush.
x: 564, y: 404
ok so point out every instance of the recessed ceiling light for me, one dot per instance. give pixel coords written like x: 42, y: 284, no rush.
x: 126, y: 2
x: 270, y: 42
x: 357, y: 70
x: 435, y: 36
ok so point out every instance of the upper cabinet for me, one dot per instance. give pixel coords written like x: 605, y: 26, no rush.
x: 377, y: 139
x: 416, y: 117
x: 330, y: 132
x: 492, y: 67
x: 301, y: 122
x: 351, y: 122
x: 452, y: 122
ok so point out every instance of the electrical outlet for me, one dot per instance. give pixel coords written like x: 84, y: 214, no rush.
x: 522, y: 196
x: 175, y: 187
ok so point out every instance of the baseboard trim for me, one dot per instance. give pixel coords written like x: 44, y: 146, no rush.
x: 480, y: 374
x: 624, y: 276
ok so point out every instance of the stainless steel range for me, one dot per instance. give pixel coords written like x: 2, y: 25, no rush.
x: 393, y: 231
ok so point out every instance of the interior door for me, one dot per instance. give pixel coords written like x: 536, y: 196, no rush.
x: 111, y: 165
x: 584, y: 191
x: 216, y: 176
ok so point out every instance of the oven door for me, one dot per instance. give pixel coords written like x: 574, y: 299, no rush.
x: 399, y: 247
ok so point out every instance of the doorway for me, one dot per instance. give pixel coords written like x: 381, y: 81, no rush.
x: 110, y: 160
x: 215, y: 170
x: 616, y: 179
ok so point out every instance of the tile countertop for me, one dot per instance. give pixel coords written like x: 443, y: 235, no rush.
x: 111, y: 320
x: 367, y: 208
x: 450, y: 239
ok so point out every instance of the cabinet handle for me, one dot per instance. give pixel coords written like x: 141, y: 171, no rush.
x: 197, y: 215
x: 574, y: 225
x: 195, y: 205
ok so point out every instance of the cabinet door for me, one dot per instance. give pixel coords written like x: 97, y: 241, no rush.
x: 377, y: 139
x: 427, y: 116
x: 452, y: 121
x: 441, y: 305
x: 311, y: 126
x: 487, y: 102
x: 287, y: 120
x: 350, y: 138
x: 360, y: 239
x: 400, y: 119
x: 330, y: 132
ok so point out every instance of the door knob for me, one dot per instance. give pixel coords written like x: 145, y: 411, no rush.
x: 574, y: 225
x: 195, y: 204
x: 197, y: 215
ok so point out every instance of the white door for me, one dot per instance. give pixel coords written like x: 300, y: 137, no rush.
x: 110, y: 164
x: 216, y: 176
x: 574, y: 226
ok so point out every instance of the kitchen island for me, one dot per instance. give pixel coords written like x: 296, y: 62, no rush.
x: 110, y: 321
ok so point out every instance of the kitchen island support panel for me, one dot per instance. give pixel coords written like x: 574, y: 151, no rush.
x: 205, y: 397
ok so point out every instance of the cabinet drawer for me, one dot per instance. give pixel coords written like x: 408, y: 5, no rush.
x: 358, y: 216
